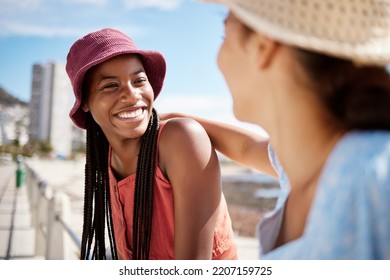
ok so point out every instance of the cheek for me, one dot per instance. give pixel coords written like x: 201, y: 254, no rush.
x: 148, y: 93
x: 98, y: 117
x: 234, y: 64
x: 229, y: 64
x: 226, y: 66
x: 221, y: 58
x: 99, y: 109
x: 231, y: 61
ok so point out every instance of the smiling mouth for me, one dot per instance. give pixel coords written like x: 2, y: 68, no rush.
x: 131, y: 114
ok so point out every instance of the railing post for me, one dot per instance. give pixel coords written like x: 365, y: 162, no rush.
x: 44, y: 195
x: 33, y: 192
x: 50, y: 216
x: 28, y: 182
x: 59, y: 245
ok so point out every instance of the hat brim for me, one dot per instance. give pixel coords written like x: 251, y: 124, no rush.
x: 370, y: 45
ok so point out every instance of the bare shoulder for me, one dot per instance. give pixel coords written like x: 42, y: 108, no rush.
x: 182, y: 138
x: 179, y: 129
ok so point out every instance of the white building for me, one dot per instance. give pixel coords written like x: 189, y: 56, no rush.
x: 13, y: 124
x: 51, y: 98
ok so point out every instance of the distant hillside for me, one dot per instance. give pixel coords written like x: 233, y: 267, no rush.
x: 7, y: 99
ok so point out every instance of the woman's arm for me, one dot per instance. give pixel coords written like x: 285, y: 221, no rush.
x: 191, y: 165
x: 242, y: 146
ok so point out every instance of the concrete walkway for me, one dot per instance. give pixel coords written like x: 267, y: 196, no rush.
x: 17, y: 236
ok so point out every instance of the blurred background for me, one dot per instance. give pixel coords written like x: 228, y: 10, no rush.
x: 38, y: 140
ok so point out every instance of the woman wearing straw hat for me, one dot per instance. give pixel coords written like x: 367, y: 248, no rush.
x: 155, y: 186
x: 312, y: 74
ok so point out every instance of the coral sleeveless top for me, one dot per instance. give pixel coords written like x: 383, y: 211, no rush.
x: 162, y: 239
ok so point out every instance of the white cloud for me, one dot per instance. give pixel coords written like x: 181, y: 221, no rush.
x: 60, y: 18
x: 72, y: 18
x: 99, y: 3
x: 27, y: 29
x: 158, y: 4
x: 20, y: 28
x: 12, y: 5
x: 30, y: 4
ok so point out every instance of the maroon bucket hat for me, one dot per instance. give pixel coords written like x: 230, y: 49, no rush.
x: 99, y: 46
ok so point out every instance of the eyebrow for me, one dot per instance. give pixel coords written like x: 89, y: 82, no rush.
x: 103, y: 77
x: 138, y: 72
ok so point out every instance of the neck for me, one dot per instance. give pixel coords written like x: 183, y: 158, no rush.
x: 303, y: 151
x: 303, y: 154
x: 303, y: 132
x: 124, y: 156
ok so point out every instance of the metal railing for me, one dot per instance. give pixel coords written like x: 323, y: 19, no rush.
x: 50, y: 216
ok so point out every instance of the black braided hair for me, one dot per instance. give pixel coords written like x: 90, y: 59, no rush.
x: 97, y: 206
x: 143, y: 195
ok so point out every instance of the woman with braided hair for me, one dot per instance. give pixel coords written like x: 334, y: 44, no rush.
x: 153, y: 188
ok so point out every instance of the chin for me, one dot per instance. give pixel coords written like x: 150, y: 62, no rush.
x: 240, y: 114
x: 133, y: 133
x: 244, y: 115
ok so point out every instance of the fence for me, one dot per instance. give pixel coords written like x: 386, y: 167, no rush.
x: 50, y: 216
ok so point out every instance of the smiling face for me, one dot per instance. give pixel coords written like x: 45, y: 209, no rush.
x: 120, y: 97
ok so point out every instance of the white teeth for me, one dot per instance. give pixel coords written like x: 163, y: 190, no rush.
x: 132, y: 114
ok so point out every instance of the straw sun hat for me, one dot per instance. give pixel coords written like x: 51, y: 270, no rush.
x: 358, y: 30
x: 99, y: 46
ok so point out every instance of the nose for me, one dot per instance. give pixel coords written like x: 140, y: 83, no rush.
x: 129, y: 93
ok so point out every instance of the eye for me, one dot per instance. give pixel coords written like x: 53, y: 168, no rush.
x: 140, y: 81
x: 109, y: 87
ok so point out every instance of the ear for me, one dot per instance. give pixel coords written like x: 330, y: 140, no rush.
x: 85, y: 107
x: 266, y: 50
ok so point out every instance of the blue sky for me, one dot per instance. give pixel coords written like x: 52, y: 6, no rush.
x: 187, y: 32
